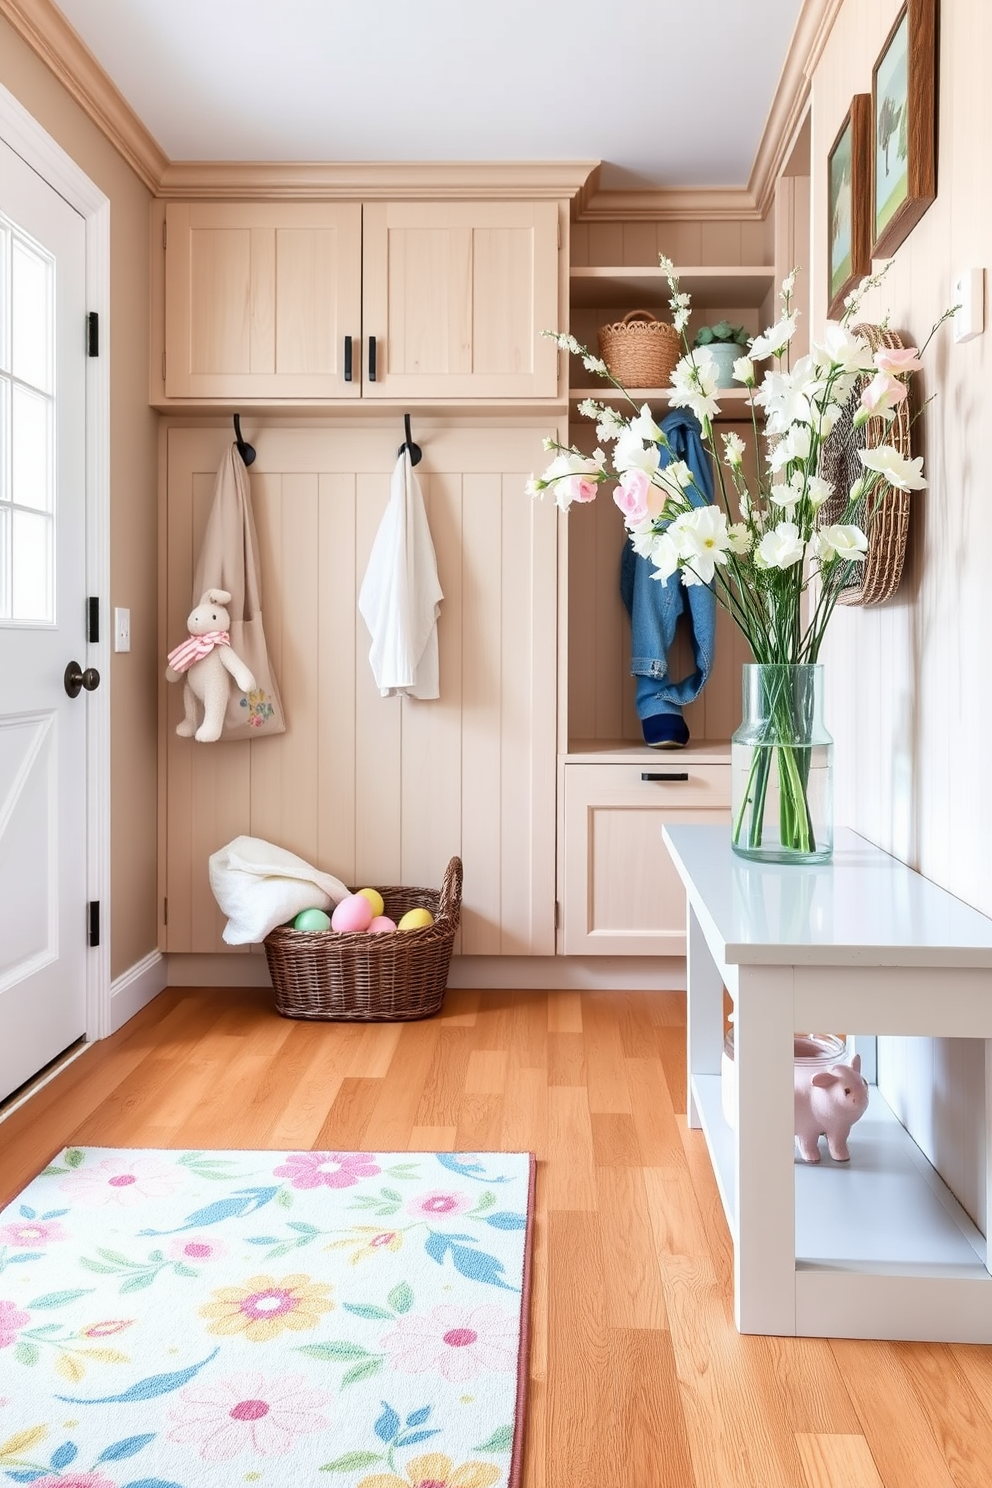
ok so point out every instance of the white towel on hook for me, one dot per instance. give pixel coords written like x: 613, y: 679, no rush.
x: 400, y: 595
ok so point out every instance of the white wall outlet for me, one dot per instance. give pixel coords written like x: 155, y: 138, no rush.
x: 969, y: 293
x: 122, y: 630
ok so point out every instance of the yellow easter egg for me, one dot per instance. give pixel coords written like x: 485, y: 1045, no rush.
x: 375, y: 899
x: 415, y: 919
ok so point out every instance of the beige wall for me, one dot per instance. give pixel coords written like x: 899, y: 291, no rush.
x: 909, y: 695
x: 134, y: 573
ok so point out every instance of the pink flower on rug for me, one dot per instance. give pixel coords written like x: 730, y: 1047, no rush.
x: 435, y: 1470
x: 125, y: 1180
x: 248, y: 1413
x: 32, y: 1232
x: 74, y: 1480
x: 439, y: 1202
x: 326, y: 1169
x: 12, y: 1320
x: 196, y: 1250
x: 456, y: 1342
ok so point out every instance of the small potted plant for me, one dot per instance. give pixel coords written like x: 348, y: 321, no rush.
x: 726, y: 343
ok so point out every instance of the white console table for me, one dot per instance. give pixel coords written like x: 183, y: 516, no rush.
x: 877, y: 1247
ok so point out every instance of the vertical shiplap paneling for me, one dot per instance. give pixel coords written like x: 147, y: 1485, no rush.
x: 908, y: 684
x: 382, y: 790
x: 482, y: 662
x: 337, y: 662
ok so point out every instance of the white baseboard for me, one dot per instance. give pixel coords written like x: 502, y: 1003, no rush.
x: 136, y: 987
x: 542, y: 973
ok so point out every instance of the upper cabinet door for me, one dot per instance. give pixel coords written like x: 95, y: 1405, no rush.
x: 260, y: 298
x: 456, y: 295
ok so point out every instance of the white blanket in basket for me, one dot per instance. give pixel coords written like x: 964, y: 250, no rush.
x: 260, y: 886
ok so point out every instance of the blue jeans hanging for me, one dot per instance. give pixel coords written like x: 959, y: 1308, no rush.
x: 654, y: 608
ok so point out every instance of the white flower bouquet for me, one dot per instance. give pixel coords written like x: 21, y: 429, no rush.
x: 773, y: 567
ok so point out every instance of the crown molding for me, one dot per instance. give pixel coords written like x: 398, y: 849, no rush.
x: 49, y: 35
x: 373, y: 180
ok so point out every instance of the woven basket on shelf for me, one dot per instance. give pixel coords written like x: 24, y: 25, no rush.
x: 887, y: 525
x: 640, y: 352
x: 392, y: 977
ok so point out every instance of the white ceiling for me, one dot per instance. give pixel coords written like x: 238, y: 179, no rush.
x: 664, y: 92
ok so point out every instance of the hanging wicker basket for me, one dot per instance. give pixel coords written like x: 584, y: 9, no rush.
x: 394, y: 977
x: 886, y: 524
x: 640, y: 352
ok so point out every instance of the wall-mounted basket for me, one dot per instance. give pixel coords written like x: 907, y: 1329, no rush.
x: 640, y: 352
x: 364, y: 978
x: 887, y: 528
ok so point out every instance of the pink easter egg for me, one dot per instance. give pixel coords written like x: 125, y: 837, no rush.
x: 380, y: 924
x: 353, y: 913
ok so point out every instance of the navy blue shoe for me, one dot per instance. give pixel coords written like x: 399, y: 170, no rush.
x: 665, y: 731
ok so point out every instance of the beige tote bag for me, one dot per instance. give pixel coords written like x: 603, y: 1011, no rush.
x: 229, y: 560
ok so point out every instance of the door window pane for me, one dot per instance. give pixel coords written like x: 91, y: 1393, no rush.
x: 31, y: 580
x: 31, y: 454
x: 32, y: 304
x: 27, y: 429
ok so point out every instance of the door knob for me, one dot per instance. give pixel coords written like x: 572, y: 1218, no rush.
x: 75, y: 679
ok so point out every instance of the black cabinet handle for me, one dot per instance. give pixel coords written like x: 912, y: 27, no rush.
x: 371, y: 359
x: 347, y: 358
x: 665, y: 775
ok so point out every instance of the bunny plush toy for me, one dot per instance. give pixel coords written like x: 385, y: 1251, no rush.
x: 206, y: 663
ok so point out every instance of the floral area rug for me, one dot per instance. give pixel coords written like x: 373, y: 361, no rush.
x: 198, y: 1319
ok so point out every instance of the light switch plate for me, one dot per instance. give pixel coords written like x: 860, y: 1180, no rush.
x: 969, y: 293
x: 122, y: 630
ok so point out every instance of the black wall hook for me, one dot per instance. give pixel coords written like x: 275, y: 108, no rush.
x: 245, y: 450
x: 416, y: 453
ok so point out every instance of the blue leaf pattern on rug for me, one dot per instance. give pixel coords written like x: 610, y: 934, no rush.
x: 155, y: 1333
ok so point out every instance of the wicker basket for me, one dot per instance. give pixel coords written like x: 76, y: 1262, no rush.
x: 393, y: 977
x: 640, y: 352
x: 887, y: 526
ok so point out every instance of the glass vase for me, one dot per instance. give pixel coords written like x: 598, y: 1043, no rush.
x: 782, y: 768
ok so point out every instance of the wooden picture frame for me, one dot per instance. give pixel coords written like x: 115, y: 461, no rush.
x: 849, y: 204
x: 904, y: 126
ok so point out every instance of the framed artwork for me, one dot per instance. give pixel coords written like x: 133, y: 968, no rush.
x: 904, y: 126
x: 849, y: 204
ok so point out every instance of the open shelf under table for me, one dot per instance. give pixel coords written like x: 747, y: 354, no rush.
x: 885, y: 1213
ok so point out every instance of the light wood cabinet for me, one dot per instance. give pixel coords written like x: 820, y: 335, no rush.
x: 621, y: 894
x: 456, y: 295
x: 260, y: 298
x: 306, y: 301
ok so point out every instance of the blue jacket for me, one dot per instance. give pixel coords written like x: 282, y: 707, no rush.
x: 654, y: 608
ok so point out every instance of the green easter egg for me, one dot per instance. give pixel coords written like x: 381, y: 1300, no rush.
x: 312, y: 919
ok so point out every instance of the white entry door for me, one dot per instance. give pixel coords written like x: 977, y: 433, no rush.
x: 43, y: 900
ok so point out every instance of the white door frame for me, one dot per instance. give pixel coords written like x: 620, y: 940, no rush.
x: 35, y: 146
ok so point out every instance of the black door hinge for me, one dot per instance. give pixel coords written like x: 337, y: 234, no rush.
x: 94, y: 919
x: 93, y: 619
x: 93, y: 334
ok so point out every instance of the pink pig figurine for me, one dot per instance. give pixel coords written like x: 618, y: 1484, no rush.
x: 829, y: 1103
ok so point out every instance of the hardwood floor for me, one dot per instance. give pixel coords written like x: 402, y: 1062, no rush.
x: 638, y: 1376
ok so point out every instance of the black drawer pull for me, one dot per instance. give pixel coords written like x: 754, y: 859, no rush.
x: 371, y: 359
x: 347, y: 358
x: 665, y: 775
